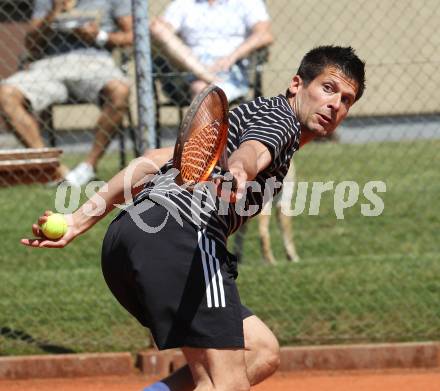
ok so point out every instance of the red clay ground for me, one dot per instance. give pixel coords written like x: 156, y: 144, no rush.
x: 391, y: 380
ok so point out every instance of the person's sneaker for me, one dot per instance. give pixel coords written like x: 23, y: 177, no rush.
x: 82, y: 174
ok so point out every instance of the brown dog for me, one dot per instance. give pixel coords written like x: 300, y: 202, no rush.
x: 283, y: 222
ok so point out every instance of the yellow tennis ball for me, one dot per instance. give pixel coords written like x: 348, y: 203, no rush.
x: 55, y: 227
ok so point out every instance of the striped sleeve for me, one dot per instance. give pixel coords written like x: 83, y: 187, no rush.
x: 270, y: 126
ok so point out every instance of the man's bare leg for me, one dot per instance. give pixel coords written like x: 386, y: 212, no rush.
x: 115, y: 95
x: 18, y: 119
x: 262, y: 350
x: 217, y: 369
x: 261, y: 357
x: 21, y: 122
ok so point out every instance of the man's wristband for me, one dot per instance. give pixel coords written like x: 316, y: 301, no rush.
x: 102, y: 38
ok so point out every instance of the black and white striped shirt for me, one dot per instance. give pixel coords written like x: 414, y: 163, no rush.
x: 270, y: 121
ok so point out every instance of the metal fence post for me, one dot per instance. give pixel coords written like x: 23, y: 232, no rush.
x: 144, y: 79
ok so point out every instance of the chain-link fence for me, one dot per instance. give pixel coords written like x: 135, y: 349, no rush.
x: 364, y: 215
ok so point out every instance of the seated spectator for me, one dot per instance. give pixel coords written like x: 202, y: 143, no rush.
x: 69, y: 43
x: 210, y: 39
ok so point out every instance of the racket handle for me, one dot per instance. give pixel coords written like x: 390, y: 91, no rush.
x: 226, y: 177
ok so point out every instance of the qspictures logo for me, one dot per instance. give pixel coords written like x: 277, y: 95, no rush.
x: 295, y: 199
x: 345, y: 194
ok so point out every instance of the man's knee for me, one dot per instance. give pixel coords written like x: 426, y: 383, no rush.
x: 263, y: 345
x: 10, y: 96
x: 116, y: 93
x: 270, y: 353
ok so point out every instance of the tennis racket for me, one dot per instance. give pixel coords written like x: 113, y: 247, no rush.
x: 201, y: 143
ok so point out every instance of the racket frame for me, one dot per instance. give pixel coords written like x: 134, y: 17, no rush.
x: 184, y: 135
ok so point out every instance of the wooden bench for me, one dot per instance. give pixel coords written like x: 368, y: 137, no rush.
x: 31, y: 165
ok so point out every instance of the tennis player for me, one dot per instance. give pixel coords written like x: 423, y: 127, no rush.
x: 165, y: 258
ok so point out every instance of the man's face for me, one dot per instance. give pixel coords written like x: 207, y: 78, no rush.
x: 324, y: 103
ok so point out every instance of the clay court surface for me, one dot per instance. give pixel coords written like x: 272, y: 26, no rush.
x: 392, y: 380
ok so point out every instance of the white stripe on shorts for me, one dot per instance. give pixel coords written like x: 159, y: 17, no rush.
x: 205, y: 269
x: 219, y: 276
x: 211, y: 271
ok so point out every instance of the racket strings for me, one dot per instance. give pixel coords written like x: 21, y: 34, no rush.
x: 199, y: 152
x: 202, y: 137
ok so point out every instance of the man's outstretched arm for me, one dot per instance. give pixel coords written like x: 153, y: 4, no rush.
x: 247, y: 161
x: 119, y: 190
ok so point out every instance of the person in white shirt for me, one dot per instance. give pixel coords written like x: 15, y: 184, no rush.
x: 211, y: 39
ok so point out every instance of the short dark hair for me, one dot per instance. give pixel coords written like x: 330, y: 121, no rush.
x: 343, y: 58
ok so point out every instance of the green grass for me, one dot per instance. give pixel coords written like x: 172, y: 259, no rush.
x: 347, y: 299
x: 359, y: 279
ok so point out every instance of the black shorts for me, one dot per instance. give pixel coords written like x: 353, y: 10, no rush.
x: 177, y: 282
